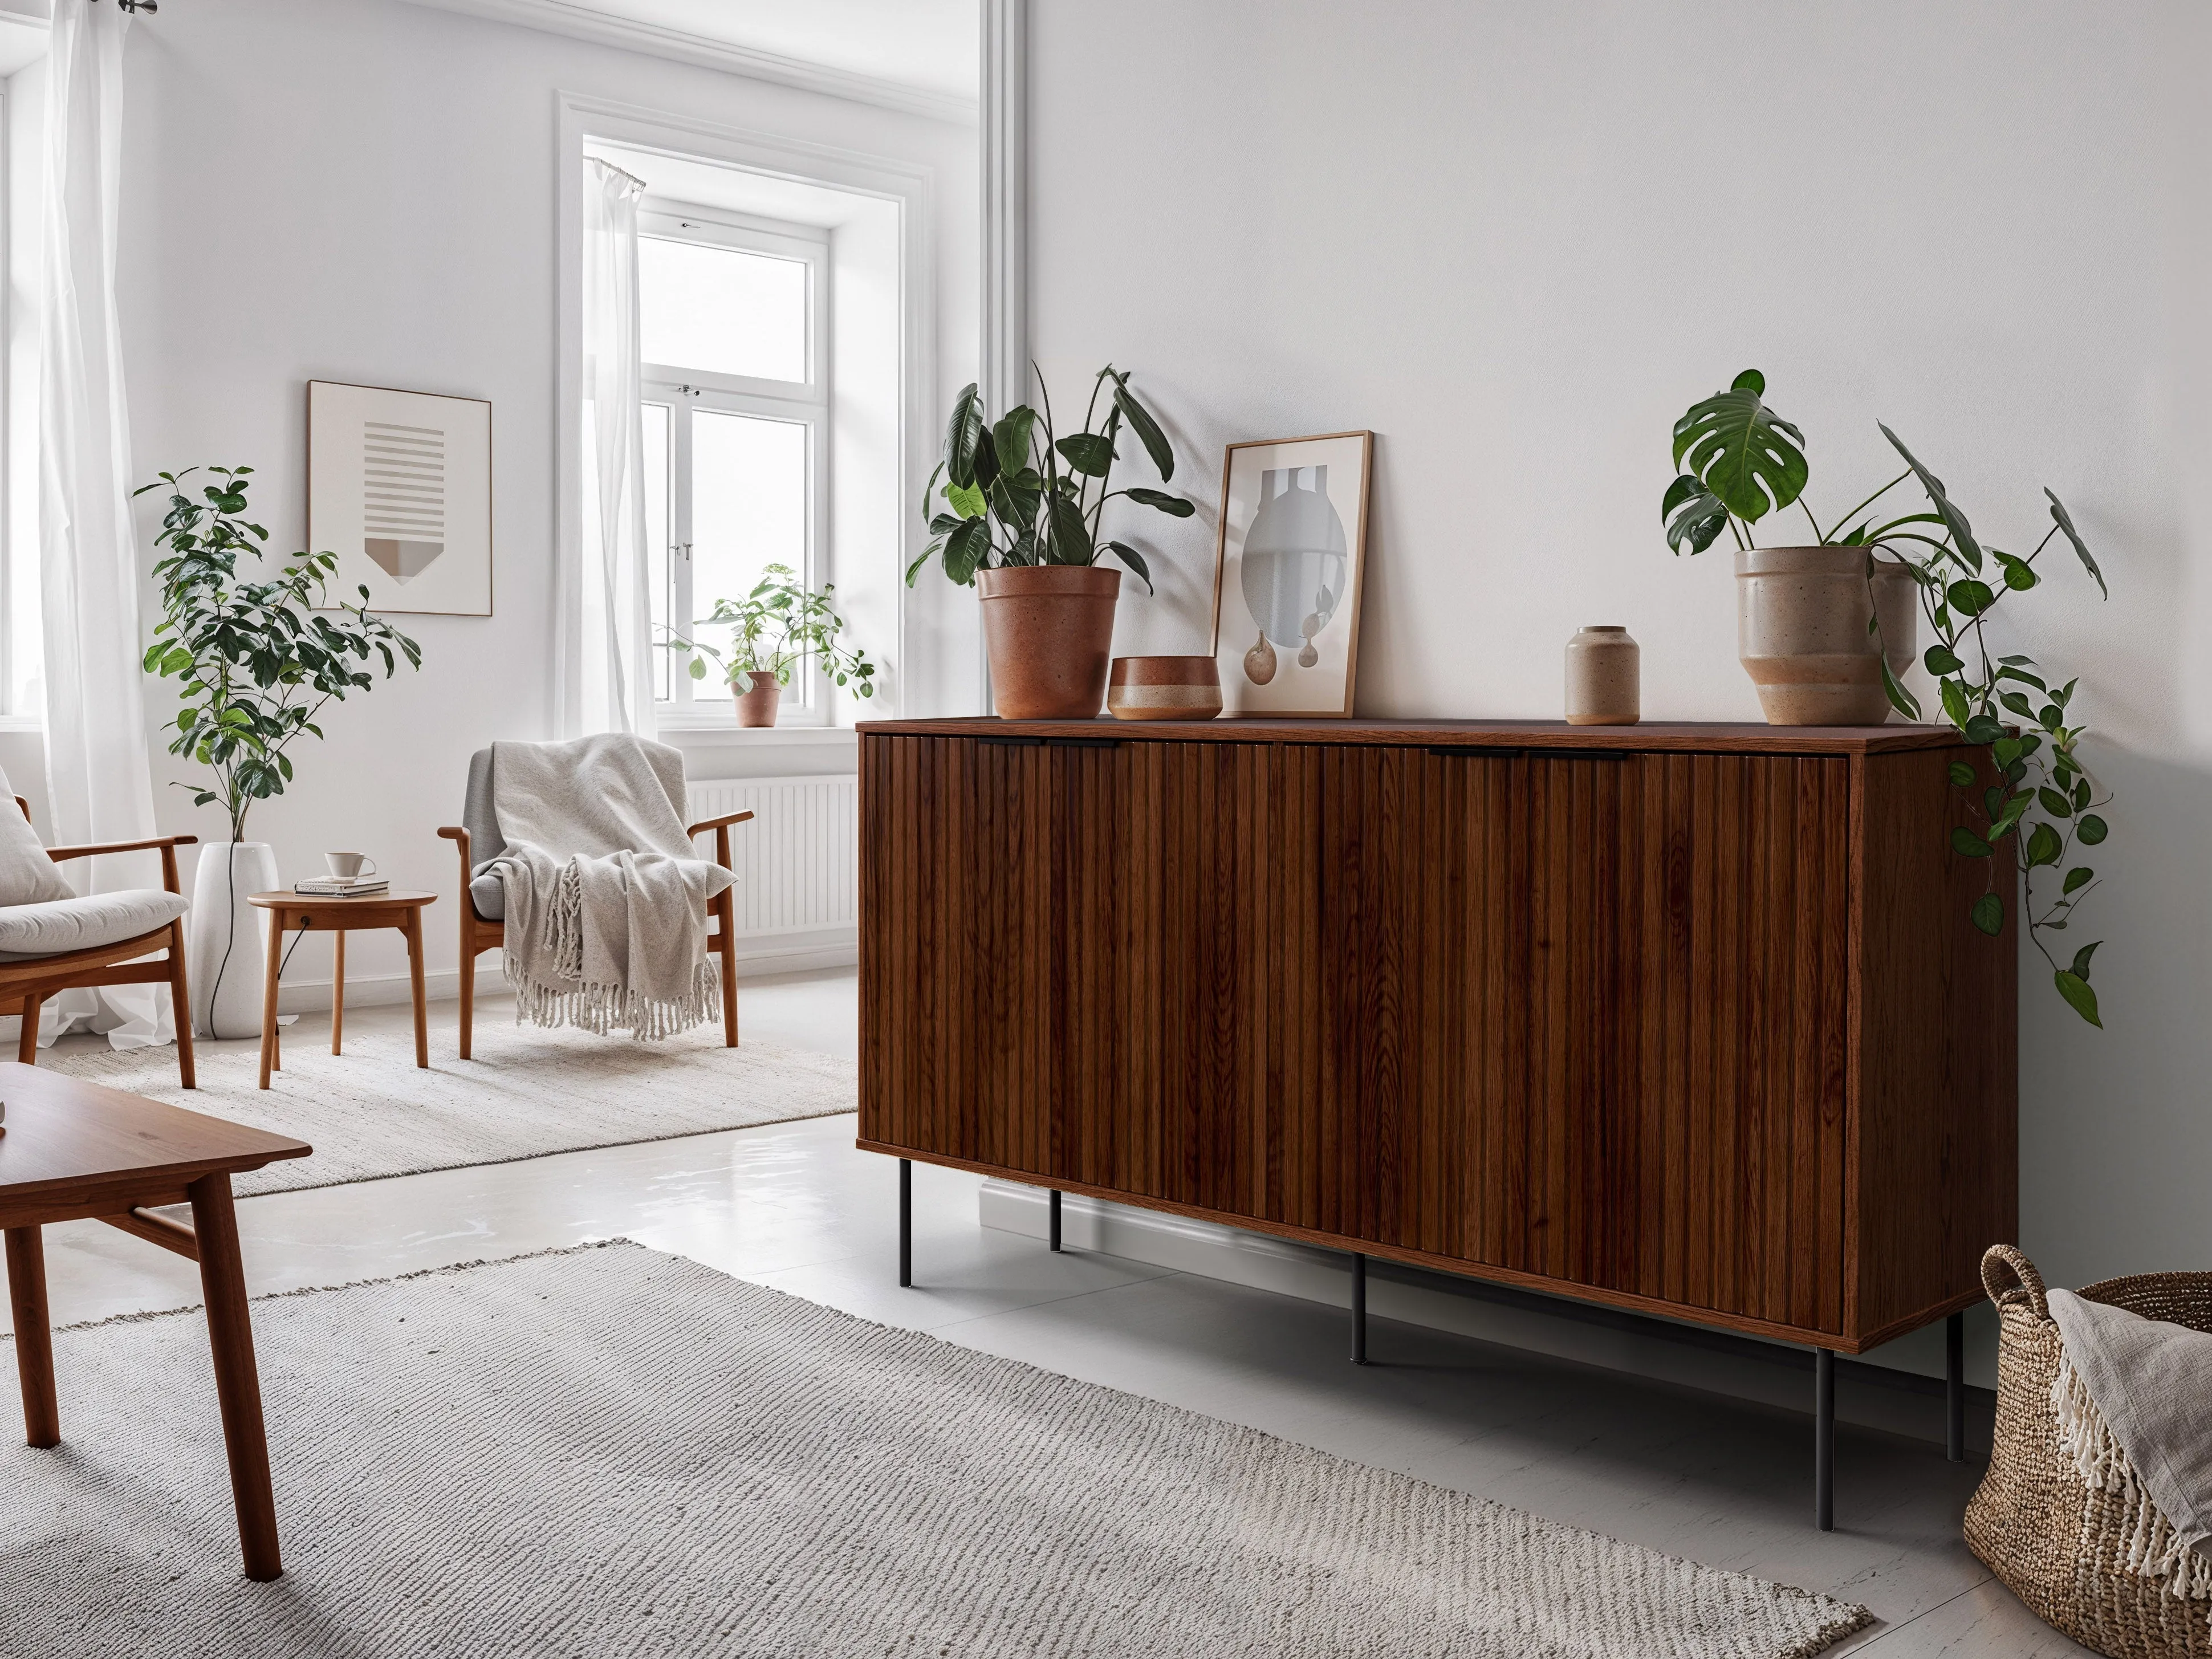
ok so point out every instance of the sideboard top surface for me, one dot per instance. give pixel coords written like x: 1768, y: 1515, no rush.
x: 1693, y: 737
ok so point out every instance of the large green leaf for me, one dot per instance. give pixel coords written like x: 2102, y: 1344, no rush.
x: 1088, y: 452
x: 1142, y: 423
x: 1160, y: 501
x: 1701, y: 518
x: 964, y: 434
x: 1070, y: 541
x: 965, y: 548
x: 2064, y: 521
x: 1135, y: 561
x: 1962, y: 533
x: 1010, y: 437
x: 1748, y: 456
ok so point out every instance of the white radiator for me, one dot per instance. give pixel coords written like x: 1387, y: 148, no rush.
x: 797, y: 865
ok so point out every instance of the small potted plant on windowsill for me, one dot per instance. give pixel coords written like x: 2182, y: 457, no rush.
x: 775, y: 629
x: 1024, y: 529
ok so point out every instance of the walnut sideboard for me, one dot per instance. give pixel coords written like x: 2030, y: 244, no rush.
x: 1687, y: 1019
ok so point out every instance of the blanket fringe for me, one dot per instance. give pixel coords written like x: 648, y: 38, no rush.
x: 570, y: 1001
x: 2153, y: 1549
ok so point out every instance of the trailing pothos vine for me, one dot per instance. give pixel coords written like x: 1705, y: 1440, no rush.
x: 1736, y: 460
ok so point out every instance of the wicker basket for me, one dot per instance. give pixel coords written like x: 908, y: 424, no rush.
x: 2058, y: 1543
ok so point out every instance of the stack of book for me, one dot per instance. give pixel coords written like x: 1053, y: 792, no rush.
x: 340, y: 886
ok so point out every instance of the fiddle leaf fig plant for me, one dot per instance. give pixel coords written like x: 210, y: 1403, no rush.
x: 258, y: 659
x: 1017, y: 495
x: 1736, y: 460
x: 774, y: 630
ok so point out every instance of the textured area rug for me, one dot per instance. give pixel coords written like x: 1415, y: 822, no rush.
x: 373, y: 1112
x: 610, y: 1451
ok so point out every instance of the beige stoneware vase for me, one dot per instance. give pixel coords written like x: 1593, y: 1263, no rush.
x: 1802, y: 615
x: 1604, y: 677
x: 1164, y: 689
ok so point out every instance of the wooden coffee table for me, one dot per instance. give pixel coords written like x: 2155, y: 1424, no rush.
x: 73, y: 1150
x: 290, y: 912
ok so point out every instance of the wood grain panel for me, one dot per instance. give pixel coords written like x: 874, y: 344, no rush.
x: 1628, y: 1024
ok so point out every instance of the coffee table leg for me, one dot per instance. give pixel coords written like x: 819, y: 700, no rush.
x: 237, y: 1380
x: 34, y: 1340
x: 415, y: 972
x: 269, y: 1055
x: 338, y: 995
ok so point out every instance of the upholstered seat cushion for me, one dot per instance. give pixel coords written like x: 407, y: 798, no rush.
x: 60, y: 926
x: 487, y: 892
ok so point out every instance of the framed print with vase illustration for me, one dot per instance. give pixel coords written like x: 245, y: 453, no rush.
x: 1287, y: 570
x: 399, y: 488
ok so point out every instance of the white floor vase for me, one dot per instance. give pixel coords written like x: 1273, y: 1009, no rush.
x: 226, y: 955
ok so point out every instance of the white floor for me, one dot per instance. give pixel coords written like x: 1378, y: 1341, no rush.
x: 796, y: 1206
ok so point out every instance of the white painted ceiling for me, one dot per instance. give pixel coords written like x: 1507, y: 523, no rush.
x: 926, y: 44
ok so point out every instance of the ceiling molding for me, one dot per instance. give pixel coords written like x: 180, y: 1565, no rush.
x: 579, y: 23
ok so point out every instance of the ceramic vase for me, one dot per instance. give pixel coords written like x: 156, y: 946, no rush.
x: 1802, y: 616
x: 1049, y: 629
x: 1604, y: 677
x: 1164, y: 689
x: 224, y: 937
x: 757, y: 706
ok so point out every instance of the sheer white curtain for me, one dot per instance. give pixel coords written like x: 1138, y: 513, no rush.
x: 98, y: 774
x: 615, y: 675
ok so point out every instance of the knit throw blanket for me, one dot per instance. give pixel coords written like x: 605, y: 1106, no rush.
x: 2134, y: 1402
x: 606, y: 904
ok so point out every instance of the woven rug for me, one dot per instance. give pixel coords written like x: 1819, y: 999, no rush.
x: 610, y: 1451
x: 373, y: 1112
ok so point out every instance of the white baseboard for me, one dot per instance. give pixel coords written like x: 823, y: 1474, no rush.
x: 1902, y: 1400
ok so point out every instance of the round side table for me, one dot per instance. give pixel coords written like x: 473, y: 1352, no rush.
x: 301, y: 912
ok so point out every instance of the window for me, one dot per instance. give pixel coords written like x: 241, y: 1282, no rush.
x: 732, y: 318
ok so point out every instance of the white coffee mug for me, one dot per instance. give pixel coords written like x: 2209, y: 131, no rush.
x: 350, y: 866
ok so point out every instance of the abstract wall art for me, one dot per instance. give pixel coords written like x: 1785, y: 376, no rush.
x: 1287, y: 573
x: 399, y: 488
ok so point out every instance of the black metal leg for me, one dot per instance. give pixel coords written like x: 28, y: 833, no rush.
x: 1954, y: 1388
x: 1360, y: 1310
x: 906, y: 1221
x: 1824, y: 1439
x: 1055, y: 1219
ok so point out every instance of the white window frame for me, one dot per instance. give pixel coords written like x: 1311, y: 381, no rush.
x: 683, y: 390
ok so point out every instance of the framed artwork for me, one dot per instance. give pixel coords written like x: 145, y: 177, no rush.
x: 399, y: 488
x: 1287, y: 571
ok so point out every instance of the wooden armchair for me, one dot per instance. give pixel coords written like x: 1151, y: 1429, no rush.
x: 92, y: 939
x: 482, y: 931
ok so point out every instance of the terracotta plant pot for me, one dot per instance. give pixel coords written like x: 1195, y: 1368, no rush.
x: 1801, y: 615
x: 1164, y: 689
x: 758, y: 706
x: 1049, y: 631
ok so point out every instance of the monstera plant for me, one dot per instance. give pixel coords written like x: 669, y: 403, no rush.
x: 1737, y: 461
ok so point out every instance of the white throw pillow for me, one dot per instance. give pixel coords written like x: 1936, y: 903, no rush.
x: 28, y: 876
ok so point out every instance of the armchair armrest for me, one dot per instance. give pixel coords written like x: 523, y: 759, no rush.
x: 168, y: 844
x: 722, y: 823
x: 59, y: 854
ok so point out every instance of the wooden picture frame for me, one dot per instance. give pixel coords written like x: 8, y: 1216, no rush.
x: 1298, y: 596
x: 399, y: 488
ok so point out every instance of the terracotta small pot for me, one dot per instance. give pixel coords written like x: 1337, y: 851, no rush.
x: 1801, y: 615
x: 1164, y: 689
x: 1049, y: 629
x: 759, y: 706
x: 1604, y: 677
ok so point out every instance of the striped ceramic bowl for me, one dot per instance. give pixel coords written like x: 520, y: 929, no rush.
x: 1164, y: 689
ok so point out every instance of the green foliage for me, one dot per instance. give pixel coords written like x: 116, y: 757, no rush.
x: 1019, y: 495
x: 775, y: 628
x: 258, y: 659
x: 1736, y: 460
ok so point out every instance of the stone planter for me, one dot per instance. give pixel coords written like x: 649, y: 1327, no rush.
x: 1802, y: 615
x: 759, y: 706
x: 1049, y: 629
x: 1604, y: 679
x: 224, y: 935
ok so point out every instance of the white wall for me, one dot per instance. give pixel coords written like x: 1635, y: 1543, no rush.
x: 364, y: 190
x: 1518, y: 241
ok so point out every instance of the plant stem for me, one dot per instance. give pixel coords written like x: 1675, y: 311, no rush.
x: 1867, y: 503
